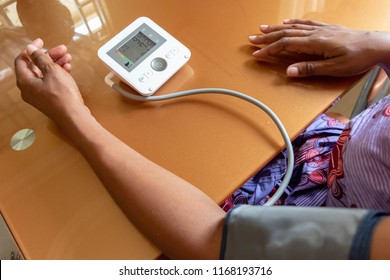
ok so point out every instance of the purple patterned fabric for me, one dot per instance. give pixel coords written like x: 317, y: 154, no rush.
x: 334, y: 166
x: 308, y: 184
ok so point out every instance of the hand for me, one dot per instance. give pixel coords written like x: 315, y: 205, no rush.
x: 45, y: 82
x: 339, y: 51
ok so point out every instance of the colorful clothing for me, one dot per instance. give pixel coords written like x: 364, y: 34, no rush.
x: 359, y: 165
x: 308, y: 183
x: 359, y: 174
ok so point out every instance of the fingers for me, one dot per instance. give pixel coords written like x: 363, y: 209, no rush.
x: 300, y: 45
x: 274, y: 33
x: 64, y: 60
x: 67, y: 67
x: 40, y: 59
x: 290, y: 28
x: 60, y: 55
x: 292, y: 38
x: 273, y: 28
x: 57, y: 52
x: 304, y: 22
x: 38, y: 43
x: 23, y: 68
x: 294, y: 24
x: 277, y: 35
x: 298, y: 24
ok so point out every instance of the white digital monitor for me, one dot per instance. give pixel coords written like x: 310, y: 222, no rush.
x: 144, y: 55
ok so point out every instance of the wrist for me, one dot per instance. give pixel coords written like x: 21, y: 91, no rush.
x: 381, y: 49
x: 76, y: 124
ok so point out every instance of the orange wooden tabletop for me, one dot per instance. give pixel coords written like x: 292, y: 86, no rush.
x: 54, y: 204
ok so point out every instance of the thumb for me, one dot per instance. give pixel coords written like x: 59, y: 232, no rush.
x: 40, y: 59
x: 307, y: 68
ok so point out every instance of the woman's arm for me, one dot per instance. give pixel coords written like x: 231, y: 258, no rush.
x: 181, y: 220
x: 338, y: 50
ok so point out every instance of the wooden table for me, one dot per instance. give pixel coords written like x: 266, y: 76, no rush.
x: 54, y: 204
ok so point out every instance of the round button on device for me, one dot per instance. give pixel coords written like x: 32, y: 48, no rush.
x: 159, y: 64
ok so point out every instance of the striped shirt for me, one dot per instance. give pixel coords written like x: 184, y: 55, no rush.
x: 359, y: 169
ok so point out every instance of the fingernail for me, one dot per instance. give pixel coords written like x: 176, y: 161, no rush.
x: 256, y: 52
x: 264, y: 26
x: 30, y: 49
x: 293, y: 71
x: 286, y: 20
x: 36, y: 41
x: 252, y: 37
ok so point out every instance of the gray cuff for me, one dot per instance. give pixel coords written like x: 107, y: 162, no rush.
x: 256, y: 232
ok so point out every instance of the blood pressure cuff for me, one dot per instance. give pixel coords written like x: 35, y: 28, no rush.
x: 282, y: 232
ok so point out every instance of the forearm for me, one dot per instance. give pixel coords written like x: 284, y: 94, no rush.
x: 182, y: 221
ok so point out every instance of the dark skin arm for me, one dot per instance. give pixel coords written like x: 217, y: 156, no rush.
x: 181, y: 220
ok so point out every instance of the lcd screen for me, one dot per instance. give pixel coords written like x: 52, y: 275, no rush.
x: 136, y: 47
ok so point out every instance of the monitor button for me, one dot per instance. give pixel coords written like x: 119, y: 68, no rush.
x: 142, y: 78
x: 159, y: 64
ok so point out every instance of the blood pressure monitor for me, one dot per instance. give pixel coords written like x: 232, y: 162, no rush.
x: 144, y: 55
